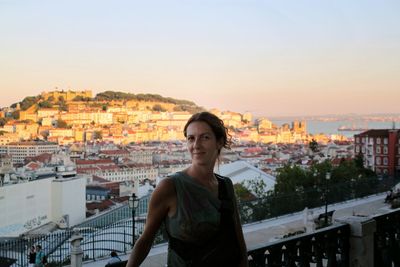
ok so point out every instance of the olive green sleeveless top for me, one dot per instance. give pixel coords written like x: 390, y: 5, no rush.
x: 197, y: 216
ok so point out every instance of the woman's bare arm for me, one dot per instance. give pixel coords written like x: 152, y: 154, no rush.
x: 159, y: 206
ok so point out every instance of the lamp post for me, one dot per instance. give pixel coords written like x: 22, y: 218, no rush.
x: 353, y: 194
x: 327, y: 178
x: 133, y: 204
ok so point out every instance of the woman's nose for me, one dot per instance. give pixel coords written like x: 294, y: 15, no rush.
x: 196, y: 142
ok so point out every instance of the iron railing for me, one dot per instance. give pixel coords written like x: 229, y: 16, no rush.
x: 387, y: 239
x: 325, y: 247
x: 101, y: 235
x: 273, y: 205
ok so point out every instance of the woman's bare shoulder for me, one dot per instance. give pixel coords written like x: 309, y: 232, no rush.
x: 165, y: 187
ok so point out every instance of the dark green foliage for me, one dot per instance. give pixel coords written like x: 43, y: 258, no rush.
x: 188, y: 108
x: 61, y: 124
x: 29, y: 101
x: 252, y: 197
x: 3, y: 121
x: 111, y: 95
x: 97, y: 135
x: 81, y: 98
x: 159, y: 108
x: 313, y: 145
x: 15, y: 115
x: 45, y: 104
x: 297, y: 188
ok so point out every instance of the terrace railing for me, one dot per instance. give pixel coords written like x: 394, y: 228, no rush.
x: 387, y: 239
x: 325, y: 247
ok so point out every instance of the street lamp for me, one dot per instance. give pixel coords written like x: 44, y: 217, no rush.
x: 353, y: 194
x: 327, y: 178
x: 133, y: 204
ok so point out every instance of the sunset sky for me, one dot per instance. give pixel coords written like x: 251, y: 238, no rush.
x: 271, y: 58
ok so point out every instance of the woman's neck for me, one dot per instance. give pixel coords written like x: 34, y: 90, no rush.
x: 202, y: 174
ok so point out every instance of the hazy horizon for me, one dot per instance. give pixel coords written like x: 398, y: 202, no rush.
x: 270, y: 58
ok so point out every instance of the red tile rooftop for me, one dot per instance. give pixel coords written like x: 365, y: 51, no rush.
x: 87, y: 169
x: 109, y: 168
x: 114, y: 152
x: 99, y: 179
x: 93, y: 161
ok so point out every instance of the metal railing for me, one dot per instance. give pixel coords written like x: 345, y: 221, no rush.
x: 272, y: 206
x: 325, y: 247
x: 113, y: 231
x: 387, y: 239
x: 101, y: 235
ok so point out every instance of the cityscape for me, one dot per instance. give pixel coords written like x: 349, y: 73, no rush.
x: 95, y: 96
x: 69, y: 156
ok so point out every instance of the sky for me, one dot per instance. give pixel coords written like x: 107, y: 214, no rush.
x: 270, y: 58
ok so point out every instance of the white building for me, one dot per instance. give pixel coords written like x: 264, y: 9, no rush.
x: 20, y: 150
x: 27, y: 205
x: 240, y: 171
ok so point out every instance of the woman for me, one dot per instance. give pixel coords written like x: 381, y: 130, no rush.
x: 189, y: 203
x: 32, y: 256
x: 39, y: 260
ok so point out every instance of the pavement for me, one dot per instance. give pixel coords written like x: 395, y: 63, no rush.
x: 273, y: 229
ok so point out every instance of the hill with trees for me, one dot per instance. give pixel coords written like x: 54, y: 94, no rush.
x: 158, y: 102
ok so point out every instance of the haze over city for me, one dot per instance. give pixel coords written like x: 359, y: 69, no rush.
x: 271, y: 58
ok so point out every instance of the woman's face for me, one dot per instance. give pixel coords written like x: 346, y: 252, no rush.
x: 202, y: 144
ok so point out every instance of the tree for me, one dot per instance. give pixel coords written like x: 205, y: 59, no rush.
x: 252, y: 196
x: 62, y: 124
x: 158, y: 108
x: 45, y: 104
x: 313, y: 145
x: 29, y: 101
x: 3, y: 121
x: 15, y: 115
x: 97, y: 135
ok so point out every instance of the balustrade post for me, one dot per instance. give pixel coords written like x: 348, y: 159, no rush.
x: 362, y: 231
x: 76, y: 249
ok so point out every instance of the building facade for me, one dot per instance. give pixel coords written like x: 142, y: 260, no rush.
x: 28, y: 205
x: 20, y: 150
x: 380, y: 150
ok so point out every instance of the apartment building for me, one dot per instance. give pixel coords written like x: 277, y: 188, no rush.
x: 380, y: 150
x: 20, y: 150
x: 27, y: 205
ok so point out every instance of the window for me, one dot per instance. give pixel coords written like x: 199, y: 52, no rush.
x: 385, y: 161
x: 385, y: 140
x: 378, y: 150
x: 385, y: 150
x: 378, y: 161
x: 358, y: 140
x: 358, y: 149
x: 363, y: 150
x: 363, y: 140
x: 378, y: 140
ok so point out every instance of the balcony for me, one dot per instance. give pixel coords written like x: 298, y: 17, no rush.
x: 365, y: 233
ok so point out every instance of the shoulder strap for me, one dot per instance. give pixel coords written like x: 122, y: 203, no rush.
x: 226, y: 199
